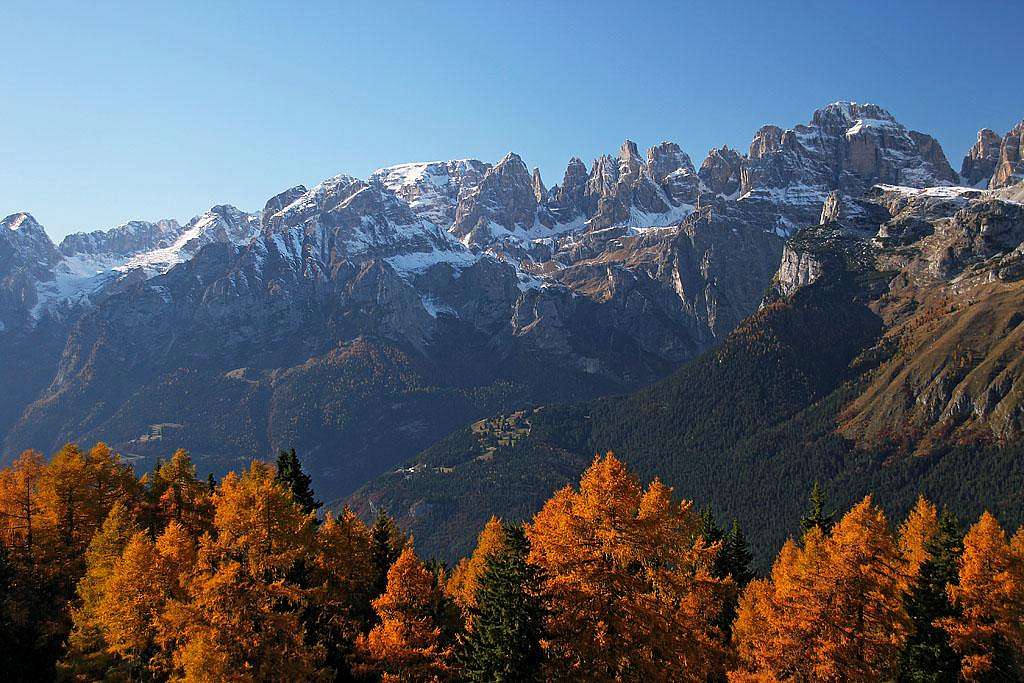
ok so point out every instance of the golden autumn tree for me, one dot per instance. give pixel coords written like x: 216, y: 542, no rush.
x: 175, y: 494
x: 989, y: 631
x: 78, y: 489
x: 408, y: 643
x: 916, y: 532
x: 241, y: 619
x: 465, y: 578
x: 832, y: 608
x: 22, y: 520
x: 627, y: 588
x: 87, y: 655
x: 342, y: 578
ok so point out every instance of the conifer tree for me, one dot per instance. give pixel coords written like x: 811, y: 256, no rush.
x: 927, y: 656
x: 988, y: 627
x: 739, y: 557
x: 88, y: 656
x: 387, y: 543
x: 407, y: 644
x: 504, y: 644
x: 816, y: 517
x: 289, y: 473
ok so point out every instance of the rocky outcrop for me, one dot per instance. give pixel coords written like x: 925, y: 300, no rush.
x: 130, y: 238
x: 721, y: 171
x: 1010, y: 169
x: 504, y: 202
x: 981, y: 160
x: 433, y: 190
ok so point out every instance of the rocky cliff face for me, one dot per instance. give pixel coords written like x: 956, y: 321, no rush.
x: 1010, y: 168
x: 981, y: 160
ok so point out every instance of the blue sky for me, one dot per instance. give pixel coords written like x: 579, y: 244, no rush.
x: 143, y: 110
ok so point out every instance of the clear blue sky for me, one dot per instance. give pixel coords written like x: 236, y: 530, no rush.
x: 149, y: 110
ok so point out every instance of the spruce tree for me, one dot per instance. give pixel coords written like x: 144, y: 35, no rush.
x: 927, y: 655
x: 816, y: 515
x: 738, y: 556
x: 289, y: 472
x: 386, y: 544
x: 507, y: 619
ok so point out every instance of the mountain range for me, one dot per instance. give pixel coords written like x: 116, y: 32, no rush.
x: 455, y: 338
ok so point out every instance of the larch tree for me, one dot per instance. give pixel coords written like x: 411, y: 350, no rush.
x: 408, y: 644
x: 242, y: 617
x: 465, y: 578
x: 342, y: 580
x: 916, y: 532
x: 831, y: 610
x: 627, y: 583
x: 87, y: 655
x: 988, y: 629
x: 22, y: 520
x: 176, y: 494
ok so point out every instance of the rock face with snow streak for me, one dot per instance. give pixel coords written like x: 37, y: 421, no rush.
x: 429, y: 294
x: 981, y: 160
x: 846, y: 147
x: 1010, y: 168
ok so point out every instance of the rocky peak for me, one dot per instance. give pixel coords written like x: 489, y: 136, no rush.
x: 666, y: 158
x: 23, y: 238
x: 539, y: 191
x: 279, y: 201
x: 767, y: 139
x: 1010, y: 169
x: 129, y: 238
x: 566, y: 200
x: 721, y: 170
x: 981, y: 160
x: 433, y: 189
x: 504, y: 201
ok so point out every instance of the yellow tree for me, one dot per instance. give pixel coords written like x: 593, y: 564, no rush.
x: 22, y: 521
x: 407, y: 644
x: 989, y: 631
x: 920, y: 527
x: 241, y: 620
x: 78, y: 489
x: 87, y: 655
x: 179, y: 496
x: 465, y: 577
x: 343, y: 577
x: 832, y: 609
x: 627, y: 586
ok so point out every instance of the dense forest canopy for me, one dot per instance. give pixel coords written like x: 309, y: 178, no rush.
x: 105, y: 576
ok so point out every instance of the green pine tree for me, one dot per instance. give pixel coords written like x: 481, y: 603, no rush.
x: 737, y: 555
x: 289, y: 472
x: 387, y: 542
x: 816, y: 515
x: 927, y: 655
x: 503, y: 642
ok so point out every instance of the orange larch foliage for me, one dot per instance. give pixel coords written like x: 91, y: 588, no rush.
x: 917, y: 530
x: 465, y: 579
x: 989, y: 631
x: 407, y: 645
x: 22, y: 520
x: 832, y: 609
x: 627, y: 586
